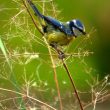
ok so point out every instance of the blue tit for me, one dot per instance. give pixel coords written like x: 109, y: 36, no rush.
x: 57, y: 32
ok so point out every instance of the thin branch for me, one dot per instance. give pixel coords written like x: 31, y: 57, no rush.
x: 8, y: 99
x: 43, y: 103
x: 33, y: 53
x: 32, y: 18
x: 55, y: 74
x: 53, y: 64
x: 54, y: 11
x: 73, y: 84
x: 101, y: 98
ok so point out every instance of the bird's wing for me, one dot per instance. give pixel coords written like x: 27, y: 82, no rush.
x: 55, y: 23
x: 63, y: 27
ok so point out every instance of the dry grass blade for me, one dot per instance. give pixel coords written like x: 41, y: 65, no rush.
x: 2, y: 46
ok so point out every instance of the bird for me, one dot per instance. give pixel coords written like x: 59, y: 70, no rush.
x: 56, y: 32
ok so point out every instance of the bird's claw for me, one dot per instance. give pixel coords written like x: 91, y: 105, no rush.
x: 61, y: 55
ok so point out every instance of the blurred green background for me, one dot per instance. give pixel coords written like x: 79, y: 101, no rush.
x: 14, y: 27
x: 94, y: 14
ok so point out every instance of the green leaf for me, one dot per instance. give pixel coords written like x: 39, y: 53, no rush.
x: 3, y: 49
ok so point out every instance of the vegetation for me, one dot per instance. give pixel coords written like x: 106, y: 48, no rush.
x: 32, y: 77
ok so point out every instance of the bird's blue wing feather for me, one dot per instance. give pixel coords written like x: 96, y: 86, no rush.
x: 54, y: 22
x: 59, y: 25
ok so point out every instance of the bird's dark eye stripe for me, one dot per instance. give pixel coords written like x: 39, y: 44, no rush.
x: 80, y: 30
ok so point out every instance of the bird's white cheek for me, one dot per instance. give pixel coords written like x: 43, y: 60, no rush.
x: 76, y: 32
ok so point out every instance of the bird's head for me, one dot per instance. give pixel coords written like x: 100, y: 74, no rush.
x: 77, y: 27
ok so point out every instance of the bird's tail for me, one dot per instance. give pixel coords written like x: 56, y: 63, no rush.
x: 37, y: 13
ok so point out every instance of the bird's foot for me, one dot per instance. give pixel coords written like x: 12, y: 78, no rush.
x: 61, y: 55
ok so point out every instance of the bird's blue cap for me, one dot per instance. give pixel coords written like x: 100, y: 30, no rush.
x: 77, y: 27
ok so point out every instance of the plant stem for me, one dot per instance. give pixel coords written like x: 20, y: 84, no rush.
x: 73, y: 84
x: 55, y: 74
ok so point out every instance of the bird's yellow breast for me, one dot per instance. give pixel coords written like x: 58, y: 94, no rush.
x: 58, y: 38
